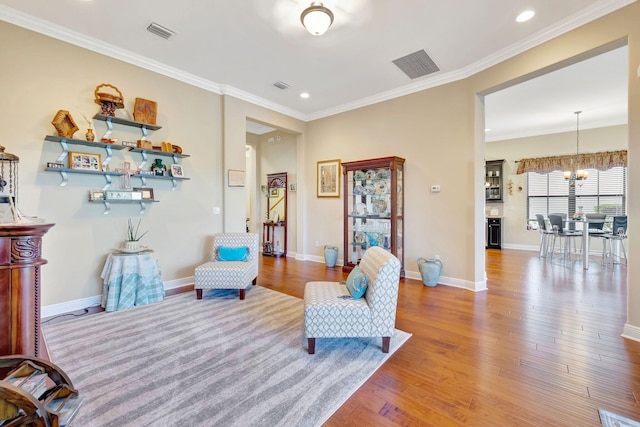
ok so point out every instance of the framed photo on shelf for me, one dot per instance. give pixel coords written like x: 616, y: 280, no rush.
x: 328, y: 178
x: 176, y: 170
x: 235, y: 178
x: 85, y: 161
x: 96, y: 195
x: 147, y: 193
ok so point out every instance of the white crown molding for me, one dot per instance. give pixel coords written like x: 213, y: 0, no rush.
x: 261, y: 102
x: 583, y: 17
x: 589, y: 14
x: 52, y: 30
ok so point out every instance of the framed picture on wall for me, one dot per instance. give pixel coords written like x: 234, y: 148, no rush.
x: 235, y: 178
x: 328, y: 178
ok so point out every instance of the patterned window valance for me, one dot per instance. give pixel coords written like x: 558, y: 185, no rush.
x: 601, y: 161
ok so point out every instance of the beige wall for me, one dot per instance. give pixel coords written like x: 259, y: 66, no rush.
x: 514, y: 208
x: 42, y: 75
x: 439, y: 131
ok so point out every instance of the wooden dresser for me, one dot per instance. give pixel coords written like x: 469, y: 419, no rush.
x: 20, y: 261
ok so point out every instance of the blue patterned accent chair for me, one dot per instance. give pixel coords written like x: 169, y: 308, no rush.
x: 330, y: 312
x: 229, y: 274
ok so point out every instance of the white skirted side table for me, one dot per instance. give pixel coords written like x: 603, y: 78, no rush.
x: 131, y: 279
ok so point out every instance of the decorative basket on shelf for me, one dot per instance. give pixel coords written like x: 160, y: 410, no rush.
x: 108, y: 102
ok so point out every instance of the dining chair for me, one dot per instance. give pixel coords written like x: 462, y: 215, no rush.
x: 545, y: 234
x: 566, y: 236
x: 617, y: 235
x: 596, y: 227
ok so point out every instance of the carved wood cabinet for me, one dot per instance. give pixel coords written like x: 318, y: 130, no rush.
x: 20, y: 261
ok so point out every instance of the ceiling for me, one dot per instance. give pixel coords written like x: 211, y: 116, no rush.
x: 243, y: 47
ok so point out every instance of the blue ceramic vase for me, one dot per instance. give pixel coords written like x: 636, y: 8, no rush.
x: 330, y: 255
x: 430, y: 270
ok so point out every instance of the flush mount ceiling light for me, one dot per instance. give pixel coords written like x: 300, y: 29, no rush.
x: 316, y: 18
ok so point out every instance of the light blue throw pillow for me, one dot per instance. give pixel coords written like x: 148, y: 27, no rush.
x: 357, y: 283
x: 226, y: 253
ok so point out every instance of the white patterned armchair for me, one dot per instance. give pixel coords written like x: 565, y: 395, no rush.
x: 219, y: 274
x: 330, y: 312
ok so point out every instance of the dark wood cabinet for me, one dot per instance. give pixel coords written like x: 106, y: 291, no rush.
x: 493, y: 187
x: 20, y: 261
x: 373, y: 208
x: 494, y: 233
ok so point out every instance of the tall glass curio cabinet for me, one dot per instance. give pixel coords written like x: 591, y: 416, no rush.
x: 373, y: 208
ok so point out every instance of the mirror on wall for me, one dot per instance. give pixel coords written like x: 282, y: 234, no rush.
x: 277, y: 197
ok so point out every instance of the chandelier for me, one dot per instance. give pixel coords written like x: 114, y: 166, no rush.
x: 576, y: 174
x: 316, y: 18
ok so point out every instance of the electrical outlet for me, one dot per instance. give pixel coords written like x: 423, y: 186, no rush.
x: 317, y: 243
x: 436, y: 256
x: 435, y: 188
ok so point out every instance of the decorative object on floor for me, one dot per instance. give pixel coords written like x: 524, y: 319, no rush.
x: 330, y: 255
x: 108, y: 102
x: 145, y: 111
x: 609, y: 419
x: 64, y: 124
x: 230, y: 274
x: 316, y: 18
x: 36, y: 392
x: 331, y: 312
x: 429, y: 270
x: 151, y: 365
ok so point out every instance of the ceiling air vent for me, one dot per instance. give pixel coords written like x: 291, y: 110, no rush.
x: 416, y: 64
x: 159, y: 30
x: 281, y: 85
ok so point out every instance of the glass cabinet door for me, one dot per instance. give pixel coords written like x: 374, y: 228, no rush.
x: 373, y: 207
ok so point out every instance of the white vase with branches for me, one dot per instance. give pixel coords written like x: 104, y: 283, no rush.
x: 132, y: 242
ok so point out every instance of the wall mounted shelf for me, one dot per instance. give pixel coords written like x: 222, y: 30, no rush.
x: 117, y: 120
x: 107, y: 204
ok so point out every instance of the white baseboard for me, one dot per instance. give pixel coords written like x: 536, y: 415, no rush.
x: 82, y: 303
x: 631, y: 332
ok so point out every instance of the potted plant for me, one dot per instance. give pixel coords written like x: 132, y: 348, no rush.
x: 133, y: 236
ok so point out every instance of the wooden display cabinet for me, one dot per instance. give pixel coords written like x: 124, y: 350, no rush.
x: 373, y: 208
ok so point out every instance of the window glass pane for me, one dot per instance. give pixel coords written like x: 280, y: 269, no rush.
x: 601, y: 192
x: 559, y: 205
x: 589, y: 203
x: 558, y: 186
x: 537, y: 184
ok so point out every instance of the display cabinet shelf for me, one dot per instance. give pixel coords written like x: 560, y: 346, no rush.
x: 373, y: 208
x: 493, y: 181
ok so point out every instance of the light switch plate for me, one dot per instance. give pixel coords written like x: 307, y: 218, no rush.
x: 435, y: 188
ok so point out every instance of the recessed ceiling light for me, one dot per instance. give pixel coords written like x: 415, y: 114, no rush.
x: 525, y: 16
x: 304, y: 95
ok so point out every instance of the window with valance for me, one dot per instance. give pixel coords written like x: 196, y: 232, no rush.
x: 601, y: 161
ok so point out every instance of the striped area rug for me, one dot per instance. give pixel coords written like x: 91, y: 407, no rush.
x: 213, y: 362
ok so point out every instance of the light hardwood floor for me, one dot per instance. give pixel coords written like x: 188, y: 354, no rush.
x: 541, y: 347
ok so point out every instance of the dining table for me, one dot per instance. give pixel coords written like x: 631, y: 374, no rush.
x: 584, y: 223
